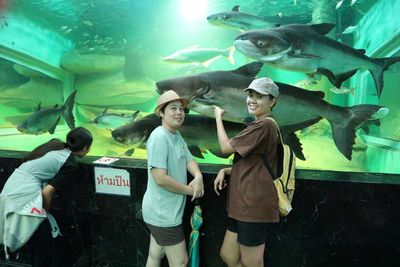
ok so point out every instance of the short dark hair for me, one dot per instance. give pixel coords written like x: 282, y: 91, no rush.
x: 272, y: 97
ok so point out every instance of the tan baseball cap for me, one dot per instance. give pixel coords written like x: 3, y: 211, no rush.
x: 264, y: 86
x: 167, y: 97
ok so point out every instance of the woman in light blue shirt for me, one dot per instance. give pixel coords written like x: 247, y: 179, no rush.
x: 168, y: 160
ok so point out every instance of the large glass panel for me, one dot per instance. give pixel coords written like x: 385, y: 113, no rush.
x: 109, y: 60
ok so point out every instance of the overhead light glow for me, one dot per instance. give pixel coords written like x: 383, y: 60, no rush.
x: 194, y: 10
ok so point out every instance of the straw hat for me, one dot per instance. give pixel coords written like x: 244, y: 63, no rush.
x: 167, y: 97
x: 264, y: 86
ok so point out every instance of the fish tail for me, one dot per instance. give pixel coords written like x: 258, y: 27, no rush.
x: 229, y: 54
x: 344, y: 130
x: 68, y: 110
x: 377, y: 73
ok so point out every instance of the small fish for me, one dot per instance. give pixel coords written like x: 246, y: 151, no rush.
x: 67, y: 31
x: 339, y: 4
x: 204, y: 56
x: 350, y: 29
x: 62, y: 28
x: 3, y: 22
x: 87, y: 23
x: 342, y: 90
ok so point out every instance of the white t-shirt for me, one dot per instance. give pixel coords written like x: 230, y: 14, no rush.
x: 169, y: 151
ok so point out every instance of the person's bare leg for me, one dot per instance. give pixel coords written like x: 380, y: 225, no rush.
x: 230, y: 250
x: 177, y: 255
x: 252, y: 256
x: 156, y: 253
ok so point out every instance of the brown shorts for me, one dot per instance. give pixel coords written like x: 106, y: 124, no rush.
x: 167, y: 236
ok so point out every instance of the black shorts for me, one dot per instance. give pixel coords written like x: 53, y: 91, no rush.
x: 250, y: 234
x: 167, y: 236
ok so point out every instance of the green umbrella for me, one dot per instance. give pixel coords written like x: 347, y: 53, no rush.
x: 196, y: 220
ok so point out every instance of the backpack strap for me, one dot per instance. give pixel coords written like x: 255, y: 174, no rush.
x: 269, y: 168
x: 264, y: 158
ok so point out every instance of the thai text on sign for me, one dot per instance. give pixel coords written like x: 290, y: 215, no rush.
x: 112, y: 181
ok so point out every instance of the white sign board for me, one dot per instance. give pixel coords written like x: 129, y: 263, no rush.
x: 112, y: 181
x: 105, y: 160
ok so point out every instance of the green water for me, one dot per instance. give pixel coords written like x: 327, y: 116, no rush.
x: 112, y: 53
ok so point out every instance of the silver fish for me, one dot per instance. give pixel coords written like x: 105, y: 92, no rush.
x: 304, y: 48
x: 204, y: 56
x: 350, y: 29
x: 239, y: 20
x: 113, y: 120
x: 46, y: 120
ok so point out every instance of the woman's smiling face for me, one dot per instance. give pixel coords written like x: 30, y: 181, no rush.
x: 173, y: 115
x: 259, y: 105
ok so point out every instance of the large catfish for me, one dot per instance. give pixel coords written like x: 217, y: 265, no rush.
x: 304, y: 48
x: 198, y: 131
x: 296, y: 108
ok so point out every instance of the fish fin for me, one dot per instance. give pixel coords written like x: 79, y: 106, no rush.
x: 344, y: 129
x: 68, y: 107
x: 344, y: 76
x: 208, y: 62
x: 135, y: 115
x: 322, y: 28
x: 195, y: 150
x: 365, y: 126
x: 250, y: 70
x: 294, y: 143
x: 129, y: 152
x: 53, y: 128
x: 298, y: 126
x: 104, y: 111
x: 331, y: 77
x: 217, y: 152
x: 39, y: 106
x: 377, y: 73
x: 229, y: 54
x: 236, y: 8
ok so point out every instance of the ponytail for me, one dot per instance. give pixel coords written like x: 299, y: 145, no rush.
x: 40, y: 151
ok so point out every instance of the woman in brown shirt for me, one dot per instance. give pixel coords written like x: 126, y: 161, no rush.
x: 252, y: 203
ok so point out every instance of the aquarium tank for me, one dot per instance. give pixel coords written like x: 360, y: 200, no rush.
x: 102, y: 64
